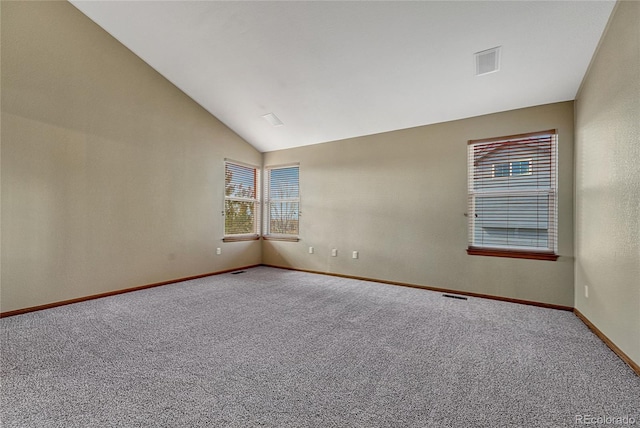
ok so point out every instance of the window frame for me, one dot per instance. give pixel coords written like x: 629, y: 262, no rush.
x: 513, y: 251
x: 255, y: 235
x: 268, y: 199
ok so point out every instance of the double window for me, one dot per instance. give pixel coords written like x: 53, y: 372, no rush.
x: 512, y: 196
x: 242, y: 202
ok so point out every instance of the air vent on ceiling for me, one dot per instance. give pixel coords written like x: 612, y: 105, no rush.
x: 487, y: 61
x: 272, y: 119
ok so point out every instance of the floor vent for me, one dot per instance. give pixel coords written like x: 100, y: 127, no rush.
x: 238, y: 272
x: 454, y: 297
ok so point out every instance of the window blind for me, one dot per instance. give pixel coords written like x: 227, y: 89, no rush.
x: 241, y: 200
x: 283, y: 201
x: 512, y: 190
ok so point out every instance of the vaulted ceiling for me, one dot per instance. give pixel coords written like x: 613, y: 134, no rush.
x: 332, y: 70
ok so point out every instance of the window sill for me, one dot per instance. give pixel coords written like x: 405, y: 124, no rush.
x: 240, y: 238
x: 515, y: 254
x: 281, y: 238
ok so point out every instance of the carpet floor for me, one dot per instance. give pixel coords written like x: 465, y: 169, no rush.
x: 277, y: 348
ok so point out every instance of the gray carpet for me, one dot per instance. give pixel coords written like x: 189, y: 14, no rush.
x: 278, y: 348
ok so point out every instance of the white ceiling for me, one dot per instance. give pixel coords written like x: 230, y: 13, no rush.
x: 333, y: 70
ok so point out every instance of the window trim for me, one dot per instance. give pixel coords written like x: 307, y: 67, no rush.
x: 514, y: 252
x: 238, y: 237
x: 281, y: 238
x: 267, y: 235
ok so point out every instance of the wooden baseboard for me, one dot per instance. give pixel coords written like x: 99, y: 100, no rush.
x: 440, y: 290
x: 113, y: 293
x: 624, y: 357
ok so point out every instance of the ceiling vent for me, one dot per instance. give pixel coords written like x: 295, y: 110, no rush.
x: 272, y: 119
x: 487, y: 61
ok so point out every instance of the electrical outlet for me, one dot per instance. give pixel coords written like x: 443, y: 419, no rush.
x: 354, y: 255
x: 586, y: 291
x: 218, y: 251
x: 334, y: 253
x: 310, y: 250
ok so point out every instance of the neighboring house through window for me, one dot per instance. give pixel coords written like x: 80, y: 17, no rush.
x: 512, y: 192
x: 241, y: 201
x: 509, y: 169
x: 282, y: 203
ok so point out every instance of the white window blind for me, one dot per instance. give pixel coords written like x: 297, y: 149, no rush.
x: 513, y: 196
x: 282, y: 201
x: 241, y: 200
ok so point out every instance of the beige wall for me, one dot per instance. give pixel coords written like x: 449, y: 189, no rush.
x: 608, y: 184
x: 111, y: 177
x: 399, y: 199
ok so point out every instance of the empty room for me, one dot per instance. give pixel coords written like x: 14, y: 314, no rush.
x: 320, y: 213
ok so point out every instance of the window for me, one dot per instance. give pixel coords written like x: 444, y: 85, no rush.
x: 501, y: 169
x: 509, y: 169
x: 241, y: 202
x: 282, y: 203
x: 521, y: 167
x: 512, y: 199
